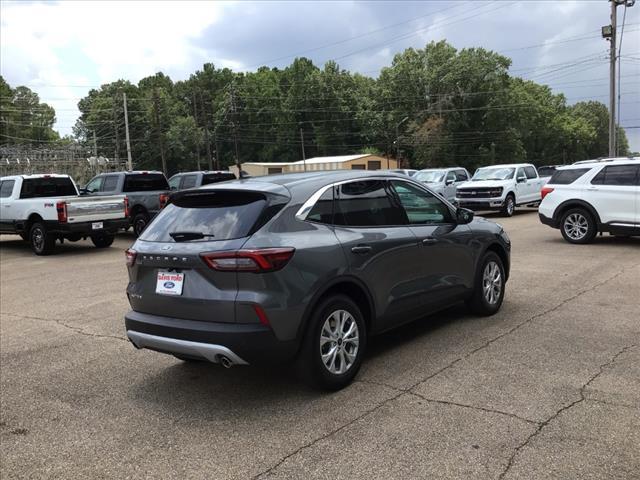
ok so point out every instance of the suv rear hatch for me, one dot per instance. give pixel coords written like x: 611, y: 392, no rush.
x: 171, y: 275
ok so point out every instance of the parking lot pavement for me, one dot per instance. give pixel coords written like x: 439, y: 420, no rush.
x: 547, y: 388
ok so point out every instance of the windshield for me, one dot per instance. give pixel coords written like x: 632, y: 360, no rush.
x: 430, y: 176
x: 493, y: 174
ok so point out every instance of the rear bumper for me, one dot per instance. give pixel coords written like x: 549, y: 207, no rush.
x: 86, y: 228
x: 241, y: 343
x: 548, y: 221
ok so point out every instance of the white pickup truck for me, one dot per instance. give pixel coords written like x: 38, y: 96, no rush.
x: 45, y: 208
x: 501, y: 187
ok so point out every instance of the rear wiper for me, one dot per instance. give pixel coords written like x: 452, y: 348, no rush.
x: 186, y: 236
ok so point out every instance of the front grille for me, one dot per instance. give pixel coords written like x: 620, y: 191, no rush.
x: 486, y: 192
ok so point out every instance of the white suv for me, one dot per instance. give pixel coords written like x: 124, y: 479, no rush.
x: 590, y: 197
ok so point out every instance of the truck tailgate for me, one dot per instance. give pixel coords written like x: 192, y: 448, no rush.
x: 89, y: 209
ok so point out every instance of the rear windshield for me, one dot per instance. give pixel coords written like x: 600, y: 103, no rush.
x: 208, y: 178
x: 145, y: 182
x: 565, y: 177
x: 47, y: 187
x: 219, y: 215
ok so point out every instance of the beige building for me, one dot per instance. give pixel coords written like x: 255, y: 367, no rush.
x: 362, y: 161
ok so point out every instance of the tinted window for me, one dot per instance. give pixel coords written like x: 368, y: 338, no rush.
x: 208, y: 178
x: 189, y: 181
x: 622, y: 175
x: 421, y: 207
x: 145, y: 182
x: 546, y: 171
x: 110, y: 183
x: 461, y: 176
x: 530, y: 172
x: 521, y: 173
x: 566, y: 177
x: 224, y: 214
x: 47, y: 187
x: 322, y: 211
x: 6, y: 188
x: 95, y: 184
x: 174, y: 182
x: 366, y: 203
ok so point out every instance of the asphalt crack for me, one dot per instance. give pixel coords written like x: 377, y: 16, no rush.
x: 564, y: 408
x: 73, y: 328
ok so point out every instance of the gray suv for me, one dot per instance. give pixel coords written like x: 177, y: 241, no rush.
x: 305, y: 266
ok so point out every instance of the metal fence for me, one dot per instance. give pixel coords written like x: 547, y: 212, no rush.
x: 74, y: 161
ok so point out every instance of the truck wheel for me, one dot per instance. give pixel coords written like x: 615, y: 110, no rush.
x: 42, y: 242
x: 509, y: 206
x: 103, y: 240
x: 334, y: 344
x: 578, y: 226
x: 140, y: 222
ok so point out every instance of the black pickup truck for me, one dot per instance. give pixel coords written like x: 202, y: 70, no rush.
x: 147, y: 192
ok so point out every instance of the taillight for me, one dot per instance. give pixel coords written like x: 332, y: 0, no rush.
x: 545, y: 191
x: 131, y: 256
x: 164, y: 199
x: 258, y: 261
x: 61, y: 207
x: 126, y: 206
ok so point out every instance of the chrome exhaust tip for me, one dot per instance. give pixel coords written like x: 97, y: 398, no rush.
x: 225, y: 361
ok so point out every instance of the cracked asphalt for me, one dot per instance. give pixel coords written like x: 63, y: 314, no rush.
x: 547, y: 388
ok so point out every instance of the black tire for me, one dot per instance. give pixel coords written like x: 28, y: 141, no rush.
x: 139, y: 223
x: 481, y: 302
x: 42, y: 242
x: 310, y: 365
x: 578, y: 226
x: 103, y: 240
x: 509, y: 205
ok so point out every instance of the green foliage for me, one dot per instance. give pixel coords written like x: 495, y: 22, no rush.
x: 434, y: 106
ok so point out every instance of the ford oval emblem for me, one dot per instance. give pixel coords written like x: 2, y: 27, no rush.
x: 169, y: 284
x: 166, y: 247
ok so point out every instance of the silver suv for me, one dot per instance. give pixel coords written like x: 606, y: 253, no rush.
x: 305, y: 266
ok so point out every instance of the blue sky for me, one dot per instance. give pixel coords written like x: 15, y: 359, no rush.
x: 62, y: 49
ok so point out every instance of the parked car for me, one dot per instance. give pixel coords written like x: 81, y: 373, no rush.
x: 405, y: 171
x: 147, y: 192
x: 184, y: 180
x: 546, y: 171
x: 45, y: 208
x: 590, y: 197
x: 443, y: 181
x: 501, y: 187
x: 305, y: 266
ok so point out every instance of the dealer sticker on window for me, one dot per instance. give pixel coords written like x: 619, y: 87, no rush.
x: 169, y: 283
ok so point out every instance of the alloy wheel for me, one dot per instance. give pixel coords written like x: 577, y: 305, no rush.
x: 576, y: 226
x: 492, y: 283
x: 339, y: 342
x: 37, y: 236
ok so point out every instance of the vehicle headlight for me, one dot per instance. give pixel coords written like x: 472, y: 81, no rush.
x: 497, y: 192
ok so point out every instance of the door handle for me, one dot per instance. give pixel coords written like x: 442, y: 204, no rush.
x: 429, y: 240
x: 361, y: 249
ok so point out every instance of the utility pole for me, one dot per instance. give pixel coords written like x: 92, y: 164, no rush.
x: 206, y: 131
x: 195, y: 117
x: 156, y: 115
x: 304, y: 157
x: 116, y: 153
x: 126, y: 132
x: 235, y: 127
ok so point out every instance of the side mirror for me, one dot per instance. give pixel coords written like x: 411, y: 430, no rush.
x: 449, y: 181
x: 463, y: 216
x: 83, y: 191
x: 173, y: 188
x: 522, y: 179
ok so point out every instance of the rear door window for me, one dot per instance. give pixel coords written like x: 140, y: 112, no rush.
x: 461, y: 176
x: 367, y: 203
x: 110, y: 183
x: 567, y: 177
x: 145, y: 182
x: 322, y: 211
x: 421, y: 207
x: 188, y: 181
x: 620, y: 175
x: 530, y: 172
x: 220, y: 215
x: 6, y: 188
x: 47, y: 187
